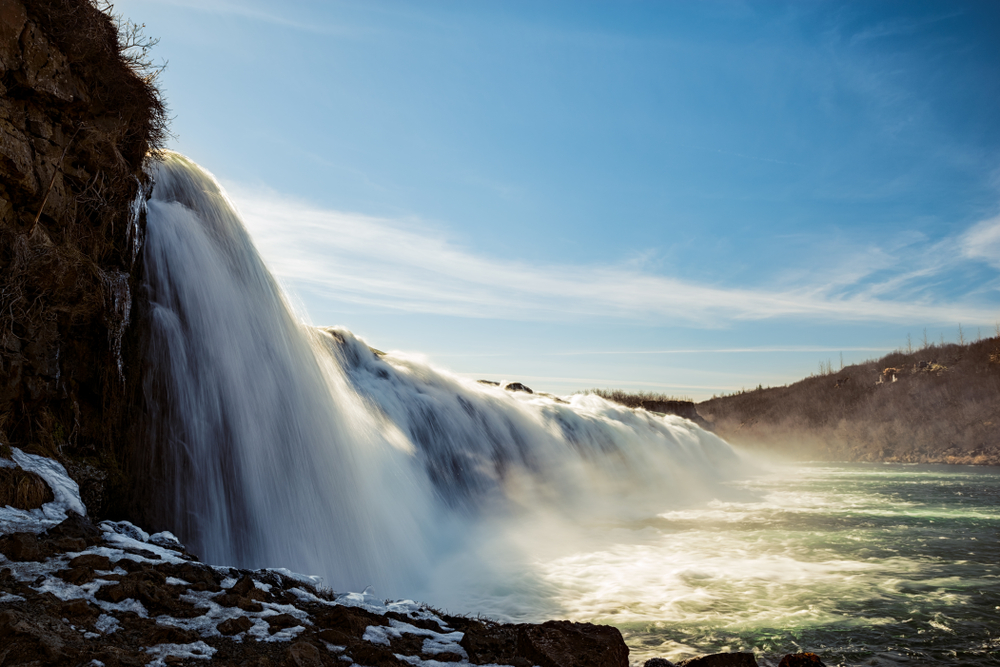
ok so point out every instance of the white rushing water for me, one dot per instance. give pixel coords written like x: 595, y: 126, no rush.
x: 278, y: 444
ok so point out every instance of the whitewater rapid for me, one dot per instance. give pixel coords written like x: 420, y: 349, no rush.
x: 278, y: 444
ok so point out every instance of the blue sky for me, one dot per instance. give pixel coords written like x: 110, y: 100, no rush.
x: 688, y: 197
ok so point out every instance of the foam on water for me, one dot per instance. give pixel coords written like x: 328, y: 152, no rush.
x: 860, y: 567
x: 280, y: 444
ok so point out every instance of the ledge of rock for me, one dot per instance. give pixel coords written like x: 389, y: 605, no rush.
x: 68, y: 596
x: 72, y: 592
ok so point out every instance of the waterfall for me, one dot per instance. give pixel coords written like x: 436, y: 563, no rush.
x: 278, y: 444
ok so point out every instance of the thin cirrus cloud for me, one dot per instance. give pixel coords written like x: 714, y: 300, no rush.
x: 982, y: 242
x: 404, y: 265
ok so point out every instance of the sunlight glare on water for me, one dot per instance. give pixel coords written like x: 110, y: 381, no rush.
x: 862, y: 563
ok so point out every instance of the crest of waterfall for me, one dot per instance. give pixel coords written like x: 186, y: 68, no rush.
x: 277, y: 444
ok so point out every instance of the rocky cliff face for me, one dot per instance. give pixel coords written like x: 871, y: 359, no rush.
x: 76, y: 123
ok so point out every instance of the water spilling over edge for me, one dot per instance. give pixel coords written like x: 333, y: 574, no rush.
x: 279, y: 444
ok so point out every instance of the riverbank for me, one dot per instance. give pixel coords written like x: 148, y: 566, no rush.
x: 936, y: 404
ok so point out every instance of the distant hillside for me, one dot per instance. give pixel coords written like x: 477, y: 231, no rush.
x: 939, y: 404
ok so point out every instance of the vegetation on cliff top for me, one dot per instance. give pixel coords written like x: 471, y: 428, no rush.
x: 636, y: 399
x: 936, y: 404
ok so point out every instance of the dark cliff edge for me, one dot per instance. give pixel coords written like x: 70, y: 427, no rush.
x: 938, y: 404
x: 77, y: 122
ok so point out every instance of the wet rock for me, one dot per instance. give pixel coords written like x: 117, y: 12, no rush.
x: 12, y: 20
x: 114, y: 656
x: 232, y: 600
x: 517, y: 386
x: 245, y: 588
x: 243, y: 594
x: 92, y: 561
x: 303, y: 654
x: 377, y: 656
x: 201, y: 577
x: 76, y: 575
x: 149, y: 587
x: 566, y: 644
x: 443, y: 657
x: 234, y: 626
x: 143, y: 553
x: 21, y: 547
x: 27, y: 640
x: 16, y: 148
x: 64, y: 545
x: 46, y: 69
x: 407, y: 644
x: 132, y: 566
x: 78, y: 611
x: 488, y: 642
x: 76, y: 526
x: 169, y: 634
x: 279, y: 622
x: 343, y: 625
x: 658, y: 662
x: 721, y: 660
x: 422, y: 623
x: 551, y: 644
x: 801, y: 660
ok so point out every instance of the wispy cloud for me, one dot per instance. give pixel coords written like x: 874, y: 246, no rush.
x: 405, y: 265
x: 898, y: 27
x: 249, y: 11
x: 982, y: 242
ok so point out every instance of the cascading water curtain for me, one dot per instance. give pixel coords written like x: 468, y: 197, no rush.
x: 277, y: 444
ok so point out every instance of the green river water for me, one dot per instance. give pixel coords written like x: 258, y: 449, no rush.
x: 864, y: 564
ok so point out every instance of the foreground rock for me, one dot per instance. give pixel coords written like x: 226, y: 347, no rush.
x: 72, y: 592
x: 130, y: 599
x: 550, y: 644
x: 721, y: 660
x: 737, y: 660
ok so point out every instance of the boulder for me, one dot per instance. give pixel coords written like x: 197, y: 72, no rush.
x: 721, y: 660
x: 566, y: 644
x: 550, y: 644
x: 92, y: 561
x: 303, y: 654
x: 234, y: 626
x: 77, y: 527
x: 279, y: 622
x: 492, y: 643
x: 21, y: 547
x: 76, y: 575
x: 801, y: 660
